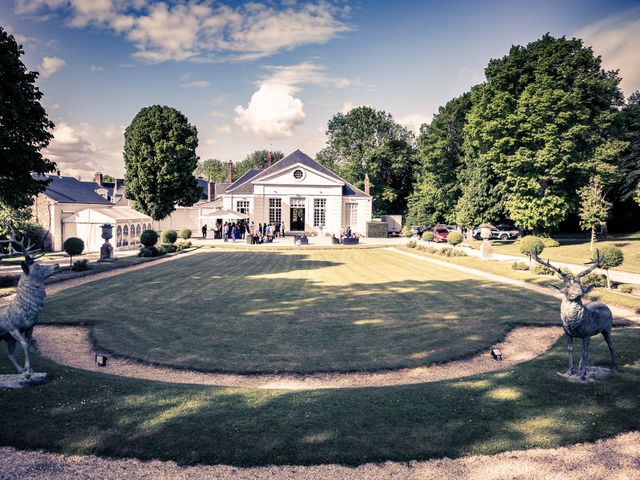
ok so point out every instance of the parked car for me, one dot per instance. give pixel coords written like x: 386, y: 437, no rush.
x: 440, y: 234
x: 503, y: 231
x: 418, y: 230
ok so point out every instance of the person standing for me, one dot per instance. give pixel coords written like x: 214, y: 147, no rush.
x: 204, y: 231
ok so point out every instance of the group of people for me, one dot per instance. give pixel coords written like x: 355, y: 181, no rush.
x: 242, y: 230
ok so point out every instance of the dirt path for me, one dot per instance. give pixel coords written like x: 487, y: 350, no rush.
x: 71, y: 346
x: 613, y: 458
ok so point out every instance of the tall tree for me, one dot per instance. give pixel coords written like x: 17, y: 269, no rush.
x: 437, y: 188
x: 159, y: 159
x: 367, y: 142
x: 213, y: 170
x: 630, y: 132
x: 24, y: 128
x: 594, y: 207
x: 256, y: 159
x: 542, y: 123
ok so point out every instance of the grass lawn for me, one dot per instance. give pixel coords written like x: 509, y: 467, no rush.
x: 297, y: 311
x: 575, y: 249
x: 523, y: 407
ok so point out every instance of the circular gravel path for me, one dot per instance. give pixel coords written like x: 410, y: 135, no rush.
x: 613, y: 458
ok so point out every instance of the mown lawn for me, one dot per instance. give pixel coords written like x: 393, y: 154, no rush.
x: 575, y: 249
x: 300, y: 311
x: 523, y: 407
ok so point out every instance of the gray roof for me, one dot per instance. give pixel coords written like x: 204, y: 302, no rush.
x: 72, y: 190
x: 297, y: 157
x: 245, y: 177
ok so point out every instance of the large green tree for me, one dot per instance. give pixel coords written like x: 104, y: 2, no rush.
x: 24, y: 128
x: 630, y: 133
x: 213, y: 170
x: 542, y: 126
x: 437, y: 188
x: 368, y: 142
x: 256, y: 159
x: 159, y: 159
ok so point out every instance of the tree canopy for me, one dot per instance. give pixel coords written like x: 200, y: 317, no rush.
x: 160, y: 158
x: 24, y: 128
x: 212, y: 170
x: 256, y: 159
x: 630, y: 133
x: 366, y: 141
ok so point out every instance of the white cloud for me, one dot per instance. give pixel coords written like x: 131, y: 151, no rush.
x: 272, y: 112
x: 226, y: 129
x: 195, y: 84
x: 414, y: 121
x: 50, y: 65
x: 348, y: 106
x: 210, y: 141
x: 96, y: 68
x: 217, y: 114
x: 616, y: 38
x: 202, y: 30
x: 303, y: 73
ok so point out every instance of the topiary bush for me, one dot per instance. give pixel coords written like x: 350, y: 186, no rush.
x: 80, y: 265
x: 185, y: 234
x: 412, y: 244
x: 168, y: 248
x: 406, y: 231
x: 519, y: 266
x: 595, y: 279
x: 149, y: 252
x: 183, y: 246
x: 529, y: 246
x: 73, y: 246
x: 428, y: 236
x: 549, y: 242
x: 169, y: 236
x: 610, y: 257
x: 542, y: 270
x: 454, y: 238
x: 149, y: 238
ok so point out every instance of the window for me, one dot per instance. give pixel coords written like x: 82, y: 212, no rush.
x: 138, y: 232
x: 352, y: 214
x: 242, y: 206
x: 275, y: 211
x: 298, y: 174
x: 119, y: 236
x: 319, y: 212
x: 297, y: 203
x: 125, y: 235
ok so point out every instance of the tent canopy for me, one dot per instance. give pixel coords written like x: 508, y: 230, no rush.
x: 224, y: 215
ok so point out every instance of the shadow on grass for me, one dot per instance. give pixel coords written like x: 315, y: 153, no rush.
x: 524, y: 407
x: 260, y: 313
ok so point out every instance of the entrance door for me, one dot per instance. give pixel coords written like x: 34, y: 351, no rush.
x: 297, y: 219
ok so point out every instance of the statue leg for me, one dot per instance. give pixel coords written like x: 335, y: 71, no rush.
x: 585, y: 356
x: 571, y: 371
x: 11, y: 345
x: 25, y: 346
x: 607, y: 338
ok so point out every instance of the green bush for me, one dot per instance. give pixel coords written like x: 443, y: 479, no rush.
x: 549, y: 242
x: 454, y: 238
x: 451, y: 252
x: 183, y: 246
x: 530, y: 245
x: 185, y: 234
x: 168, y: 247
x: 406, y: 231
x: 412, y: 244
x: 519, y: 266
x: 80, y: 265
x: 169, y: 236
x: 626, y: 288
x: 150, y: 252
x: 595, y: 279
x: 149, y: 238
x: 376, y: 230
x: 428, y: 236
x: 567, y: 272
x: 542, y: 270
x: 610, y: 257
x: 73, y: 246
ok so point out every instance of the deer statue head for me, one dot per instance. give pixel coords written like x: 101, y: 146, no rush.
x: 25, y: 248
x: 572, y: 287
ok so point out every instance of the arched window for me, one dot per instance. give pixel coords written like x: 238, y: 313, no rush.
x: 138, y: 232
x: 125, y: 235
x: 119, y: 236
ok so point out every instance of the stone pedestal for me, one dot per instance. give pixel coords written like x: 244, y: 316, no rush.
x: 592, y: 374
x: 16, y: 381
x: 486, y: 250
x: 106, y: 250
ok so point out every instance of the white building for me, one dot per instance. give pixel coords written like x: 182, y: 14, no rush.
x: 300, y: 194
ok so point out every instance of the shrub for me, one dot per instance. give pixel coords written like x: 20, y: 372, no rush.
x: 542, y: 270
x: 185, y: 234
x: 80, y: 265
x: 519, y: 266
x: 595, y: 279
x: 431, y: 250
x: 183, y: 246
x: 406, y: 231
x: 73, y: 246
x: 454, y: 238
x: 376, y: 230
x: 149, y: 238
x: 626, y: 288
x: 412, y: 244
x: 169, y: 236
x: 567, y: 272
x: 168, y: 247
x: 450, y: 252
x: 549, y: 242
x: 530, y: 246
x: 150, y: 252
x: 428, y: 236
x: 610, y: 257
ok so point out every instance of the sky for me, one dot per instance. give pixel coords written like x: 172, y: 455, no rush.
x: 271, y: 74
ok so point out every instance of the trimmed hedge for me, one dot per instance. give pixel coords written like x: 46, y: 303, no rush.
x: 185, y: 234
x: 149, y: 238
x: 169, y: 236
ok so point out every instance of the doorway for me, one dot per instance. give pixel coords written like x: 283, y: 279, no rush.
x: 297, y: 219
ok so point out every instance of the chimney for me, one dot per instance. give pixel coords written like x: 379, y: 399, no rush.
x: 268, y: 159
x: 230, y: 172
x: 210, y: 191
x: 367, y: 185
x: 98, y: 178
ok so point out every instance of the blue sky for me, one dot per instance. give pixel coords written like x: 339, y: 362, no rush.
x: 270, y: 74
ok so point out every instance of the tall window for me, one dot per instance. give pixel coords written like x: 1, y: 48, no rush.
x: 125, y: 235
x: 275, y: 211
x: 352, y: 214
x: 242, y: 206
x: 119, y: 236
x: 319, y: 212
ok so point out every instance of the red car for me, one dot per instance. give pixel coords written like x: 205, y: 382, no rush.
x: 441, y: 234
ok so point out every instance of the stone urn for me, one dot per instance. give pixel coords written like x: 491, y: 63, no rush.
x: 485, y: 233
x: 106, y: 250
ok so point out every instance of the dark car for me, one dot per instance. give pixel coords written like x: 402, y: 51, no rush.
x: 503, y: 231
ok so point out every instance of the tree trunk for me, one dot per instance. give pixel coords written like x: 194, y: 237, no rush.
x: 608, y: 279
x: 593, y: 238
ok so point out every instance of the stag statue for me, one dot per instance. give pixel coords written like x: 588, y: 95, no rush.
x: 20, y: 316
x: 580, y: 320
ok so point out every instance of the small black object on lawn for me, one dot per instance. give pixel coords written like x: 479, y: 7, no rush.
x: 101, y: 360
x: 496, y: 354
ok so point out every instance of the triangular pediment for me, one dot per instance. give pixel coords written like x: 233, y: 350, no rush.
x: 299, y: 174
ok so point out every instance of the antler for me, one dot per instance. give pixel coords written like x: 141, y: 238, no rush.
x: 564, y: 276
x: 596, y: 264
x: 27, y: 251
